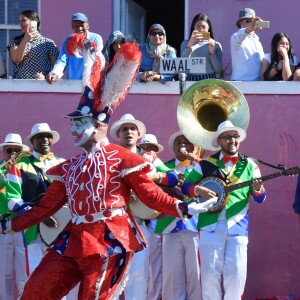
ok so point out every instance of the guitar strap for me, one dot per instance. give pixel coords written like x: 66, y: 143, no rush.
x: 259, y: 161
x: 214, y: 169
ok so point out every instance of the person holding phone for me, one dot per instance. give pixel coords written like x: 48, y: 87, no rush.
x: 32, y: 54
x: 202, y: 44
x: 247, y: 51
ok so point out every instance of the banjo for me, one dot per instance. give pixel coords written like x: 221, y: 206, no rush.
x: 222, y: 190
x: 62, y: 217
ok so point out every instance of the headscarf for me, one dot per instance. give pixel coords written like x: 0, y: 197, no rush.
x: 115, y: 36
x: 156, y: 52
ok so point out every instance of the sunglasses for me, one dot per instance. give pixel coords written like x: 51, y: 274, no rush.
x: 11, y: 150
x: 154, y: 33
x: 247, y: 20
x: 228, y: 138
x: 43, y: 136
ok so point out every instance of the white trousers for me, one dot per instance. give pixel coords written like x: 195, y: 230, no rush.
x: 222, y: 257
x: 16, y: 263
x: 136, y: 287
x: 155, y: 268
x: 181, y: 274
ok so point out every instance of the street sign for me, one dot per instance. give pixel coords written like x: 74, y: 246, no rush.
x: 182, y: 65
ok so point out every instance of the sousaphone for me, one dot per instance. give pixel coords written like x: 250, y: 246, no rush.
x: 202, y: 107
x: 206, y: 104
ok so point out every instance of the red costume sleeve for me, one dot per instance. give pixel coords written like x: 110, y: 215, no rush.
x: 147, y: 191
x: 52, y: 201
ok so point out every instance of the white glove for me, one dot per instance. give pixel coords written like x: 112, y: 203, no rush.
x: 197, y: 208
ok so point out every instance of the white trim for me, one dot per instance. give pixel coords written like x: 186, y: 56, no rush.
x: 169, y: 88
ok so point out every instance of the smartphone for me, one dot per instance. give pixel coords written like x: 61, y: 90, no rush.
x: 262, y: 24
x: 205, y: 35
x: 33, y: 26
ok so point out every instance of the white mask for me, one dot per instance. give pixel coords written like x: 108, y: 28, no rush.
x: 82, y: 129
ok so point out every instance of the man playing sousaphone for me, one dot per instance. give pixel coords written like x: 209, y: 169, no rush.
x: 181, y: 275
x: 224, y: 233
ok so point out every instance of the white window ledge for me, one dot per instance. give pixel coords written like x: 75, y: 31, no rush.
x: 169, y: 88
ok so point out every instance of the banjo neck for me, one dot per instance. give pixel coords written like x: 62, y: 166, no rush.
x: 288, y: 172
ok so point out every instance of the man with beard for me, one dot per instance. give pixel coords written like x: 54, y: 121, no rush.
x: 224, y: 234
x: 26, y: 180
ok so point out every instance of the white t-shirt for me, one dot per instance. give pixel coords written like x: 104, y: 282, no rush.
x: 246, y: 56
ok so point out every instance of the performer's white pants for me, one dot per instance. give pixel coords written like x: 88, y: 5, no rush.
x: 181, y: 275
x: 155, y: 268
x: 222, y: 256
x: 136, y: 287
x: 14, y: 262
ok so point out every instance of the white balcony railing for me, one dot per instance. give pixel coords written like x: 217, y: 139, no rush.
x: 74, y: 86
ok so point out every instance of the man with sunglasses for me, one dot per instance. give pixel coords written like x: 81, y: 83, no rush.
x: 26, y: 180
x: 9, y: 243
x: 246, y: 49
x: 224, y: 233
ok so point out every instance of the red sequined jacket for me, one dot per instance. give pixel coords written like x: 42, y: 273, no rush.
x: 98, y: 182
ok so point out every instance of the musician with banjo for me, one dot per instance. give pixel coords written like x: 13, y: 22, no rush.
x: 224, y: 229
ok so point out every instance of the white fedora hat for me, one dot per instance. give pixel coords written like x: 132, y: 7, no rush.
x: 14, y: 139
x: 227, y: 126
x: 150, y: 139
x: 127, y: 118
x: 172, y: 140
x: 42, y: 128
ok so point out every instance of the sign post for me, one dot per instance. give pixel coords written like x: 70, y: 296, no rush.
x: 182, y: 65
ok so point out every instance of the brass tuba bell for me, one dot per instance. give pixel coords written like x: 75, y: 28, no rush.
x: 206, y: 104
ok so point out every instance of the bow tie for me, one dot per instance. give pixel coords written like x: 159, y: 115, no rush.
x: 185, y: 163
x: 226, y: 159
x: 42, y: 157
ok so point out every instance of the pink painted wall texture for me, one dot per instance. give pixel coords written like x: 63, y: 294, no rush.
x: 273, y: 133
x: 273, y: 136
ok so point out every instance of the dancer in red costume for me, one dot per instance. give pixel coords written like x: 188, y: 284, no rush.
x: 96, y: 247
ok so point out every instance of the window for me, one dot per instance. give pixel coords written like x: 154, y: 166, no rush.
x: 9, y: 25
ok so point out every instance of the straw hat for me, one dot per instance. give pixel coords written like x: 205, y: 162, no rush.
x: 42, y: 128
x: 150, y: 139
x: 127, y: 118
x: 227, y: 126
x: 14, y: 139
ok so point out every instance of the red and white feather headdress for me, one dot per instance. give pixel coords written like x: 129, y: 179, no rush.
x: 104, y: 87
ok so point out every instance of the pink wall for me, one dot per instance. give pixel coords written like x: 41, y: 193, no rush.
x: 56, y: 17
x: 273, y: 136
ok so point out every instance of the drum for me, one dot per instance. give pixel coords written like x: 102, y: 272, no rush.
x: 62, y: 217
x: 141, y: 210
x: 218, y: 186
